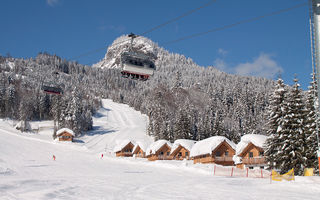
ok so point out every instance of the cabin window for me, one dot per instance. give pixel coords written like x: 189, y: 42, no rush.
x: 218, y: 154
x: 261, y: 167
x: 161, y: 153
x: 180, y: 154
x: 261, y: 153
x: 251, y: 167
x: 187, y: 154
x: 168, y: 153
x: 250, y: 154
x: 226, y: 153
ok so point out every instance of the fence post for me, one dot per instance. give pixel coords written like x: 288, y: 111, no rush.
x: 261, y: 174
x: 247, y: 172
x: 232, y: 171
x: 214, y: 170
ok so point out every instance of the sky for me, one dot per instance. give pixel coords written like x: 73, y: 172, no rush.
x: 274, y: 46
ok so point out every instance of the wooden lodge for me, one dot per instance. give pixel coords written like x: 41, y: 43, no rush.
x: 159, y: 150
x: 250, y: 151
x: 124, y: 149
x: 217, y: 149
x: 139, y: 150
x: 181, y: 149
x: 65, y: 134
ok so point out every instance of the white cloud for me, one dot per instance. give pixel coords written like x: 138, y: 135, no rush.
x: 222, y: 52
x: 52, y: 3
x: 262, y: 66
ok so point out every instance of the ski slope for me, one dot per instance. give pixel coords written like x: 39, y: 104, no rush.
x: 27, y: 170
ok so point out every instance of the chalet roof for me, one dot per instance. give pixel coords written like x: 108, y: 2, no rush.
x: 121, y: 144
x: 255, y: 139
x: 142, y: 144
x: 155, y: 146
x: 206, y: 146
x: 60, y: 131
x: 187, y: 144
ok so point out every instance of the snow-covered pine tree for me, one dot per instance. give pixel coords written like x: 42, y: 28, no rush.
x: 182, y: 128
x: 310, y: 126
x: 292, y: 136
x: 275, y: 114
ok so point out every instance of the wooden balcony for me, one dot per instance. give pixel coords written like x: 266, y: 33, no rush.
x: 253, y: 161
x: 223, y: 159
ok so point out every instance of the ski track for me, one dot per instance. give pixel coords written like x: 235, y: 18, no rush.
x: 27, y: 170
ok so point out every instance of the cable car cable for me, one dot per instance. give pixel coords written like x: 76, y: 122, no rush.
x: 148, y: 31
x: 236, y: 23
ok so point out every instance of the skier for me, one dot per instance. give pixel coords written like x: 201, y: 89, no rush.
x: 54, y: 157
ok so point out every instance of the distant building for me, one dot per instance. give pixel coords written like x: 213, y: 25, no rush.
x: 250, y: 152
x: 159, y: 150
x: 140, y: 148
x: 65, y: 134
x: 216, y: 149
x: 124, y: 149
x: 181, y: 149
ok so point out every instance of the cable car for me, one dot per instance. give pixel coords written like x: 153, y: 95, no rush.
x: 52, y: 89
x: 135, y: 65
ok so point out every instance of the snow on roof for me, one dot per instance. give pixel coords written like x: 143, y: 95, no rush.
x: 154, y: 147
x: 188, y: 144
x: 65, y: 130
x: 121, y: 144
x: 257, y: 140
x: 206, y: 146
x: 142, y: 144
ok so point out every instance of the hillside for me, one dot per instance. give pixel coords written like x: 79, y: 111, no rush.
x: 27, y: 170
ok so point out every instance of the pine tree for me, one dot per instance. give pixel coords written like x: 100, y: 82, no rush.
x: 276, y: 113
x: 311, y: 125
x: 292, y: 136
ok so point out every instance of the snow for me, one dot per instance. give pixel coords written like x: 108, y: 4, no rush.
x: 121, y: 144
x: 257, y: 140
x: 188, y: 144
x: 206, y: 146
x: 142, y: 144
x: 65, y: 130
x: 27, y: 170
x: 155, y: 146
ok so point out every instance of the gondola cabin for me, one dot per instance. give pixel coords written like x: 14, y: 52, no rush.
x: 136, y: 66
x: 65, y: 134
x: 52, y: 90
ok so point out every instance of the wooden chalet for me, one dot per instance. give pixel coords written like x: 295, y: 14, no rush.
x: 65, y: 134
x: 139, y: 150
x: 216, y: 149
x: 124, y: 149
x: 250, y: 151
x: 181, y: 149
x: 159, y: 150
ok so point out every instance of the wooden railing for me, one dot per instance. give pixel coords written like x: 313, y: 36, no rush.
x: 164, y: 157
x: 223, y: 159
x: 254, y: 160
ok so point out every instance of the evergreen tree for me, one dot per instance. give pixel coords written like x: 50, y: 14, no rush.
x: 310, y: 125
x: 292, y: 136
x: 275, y: 116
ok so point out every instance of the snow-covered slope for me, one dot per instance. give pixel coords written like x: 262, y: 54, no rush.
x: 27, y: 170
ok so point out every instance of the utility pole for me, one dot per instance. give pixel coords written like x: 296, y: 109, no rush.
x: 315, y: 50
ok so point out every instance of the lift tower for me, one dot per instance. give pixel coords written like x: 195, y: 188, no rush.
x: 315, y: 51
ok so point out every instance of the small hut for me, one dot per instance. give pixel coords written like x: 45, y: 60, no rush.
x: 216, y: 149
x: 124, y: 148
x: 181, y: 149
x: 159, y: 150
x: 140, y: 148
x: 65, y: 134
x: 250, y: 152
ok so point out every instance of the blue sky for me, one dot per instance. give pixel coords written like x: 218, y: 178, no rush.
x: 69, y: 28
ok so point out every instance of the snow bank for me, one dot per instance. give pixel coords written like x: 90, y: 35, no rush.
x: 257, y: 140
x: 154, y: 147
x: 206, y: 146
x: 65, y: 130
x: 187, y: 144
x: 121, y: 144
x: 24, y: 124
